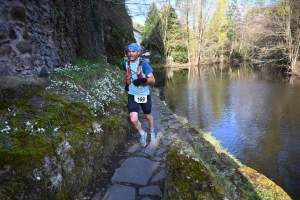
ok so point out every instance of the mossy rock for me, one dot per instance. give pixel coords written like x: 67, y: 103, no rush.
x: 188, y: 177
x: 264, y: 187
x: 52, y: 150
x: 204, y: 170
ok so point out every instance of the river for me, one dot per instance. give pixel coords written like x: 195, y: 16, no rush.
x: 252, y: 111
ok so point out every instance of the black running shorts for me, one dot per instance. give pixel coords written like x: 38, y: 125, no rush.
x: 134, y: 106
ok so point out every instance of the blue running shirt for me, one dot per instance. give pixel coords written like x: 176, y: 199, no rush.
x: 146, y: 69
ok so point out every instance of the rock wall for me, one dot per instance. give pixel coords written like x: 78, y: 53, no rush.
x: 27, y: 38
x: 37, y: 36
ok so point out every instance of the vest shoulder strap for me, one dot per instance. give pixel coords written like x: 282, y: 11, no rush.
x: 141, y: 60
x: 140, y: 64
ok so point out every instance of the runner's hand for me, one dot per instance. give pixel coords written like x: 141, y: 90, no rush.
x: 139, y: 81
x: 126, y: 87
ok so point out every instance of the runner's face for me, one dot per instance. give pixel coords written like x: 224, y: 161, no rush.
x: 133, y: 55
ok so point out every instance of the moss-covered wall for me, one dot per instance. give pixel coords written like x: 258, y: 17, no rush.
x: 51, y: 148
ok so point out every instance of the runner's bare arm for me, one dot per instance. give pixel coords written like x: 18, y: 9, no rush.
x: 150, y: 78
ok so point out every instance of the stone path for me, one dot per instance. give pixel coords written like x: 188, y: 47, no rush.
x: 141, y: 175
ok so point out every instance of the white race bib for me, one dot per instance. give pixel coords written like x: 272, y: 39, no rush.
x: 140, y: 99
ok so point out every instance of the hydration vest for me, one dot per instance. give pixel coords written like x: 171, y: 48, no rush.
x: 138, y: 72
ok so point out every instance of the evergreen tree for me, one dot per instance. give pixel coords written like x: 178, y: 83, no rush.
x: 163, y: 35
x: 151, y: 35
x: 175, y: 46
x: 233, y: 18
x: 219, y: 21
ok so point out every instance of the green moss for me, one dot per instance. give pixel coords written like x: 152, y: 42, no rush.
x: 23, y: 159
x: 42, y: 111
x: 264, y: 187
x: 216, y: 168
x: 40, y: 121
x: 29, y: 143
x: 191, y: 172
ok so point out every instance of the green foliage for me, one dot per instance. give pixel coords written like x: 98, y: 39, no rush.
x: 179, y: 54
x: 163, y: 35
x: 151, y: 32
x: 218, y: 22
x: 174, y: 43
x: 232, y: 15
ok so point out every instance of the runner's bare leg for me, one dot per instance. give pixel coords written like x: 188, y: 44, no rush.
x: 136, y: 123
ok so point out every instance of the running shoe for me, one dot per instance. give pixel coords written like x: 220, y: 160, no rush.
x: 153, y: 136
x: 143, y: 139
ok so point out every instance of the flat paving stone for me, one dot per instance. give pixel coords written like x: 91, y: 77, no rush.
x: 156, y: 117
x: 97, y: 196
x: 185, y: 136
x: 172, y: 120
x: 175, y: 126
x: 165, y: 123
x: 157, y: 158
x: 169, y: 134
x: 134, y: 148
x: 160, y: 151
x: 150, y: 149
x: 141, y: 154
x: 166, y: 142
x: 159, y: 131
x: 135, y: 170
x: 120, y: 192
x: 160, y: 175
x: 150, y: 190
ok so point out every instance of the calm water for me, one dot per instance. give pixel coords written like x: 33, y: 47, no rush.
x: 253, y: 112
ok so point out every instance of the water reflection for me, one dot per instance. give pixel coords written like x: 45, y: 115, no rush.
x: 254, y: 113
